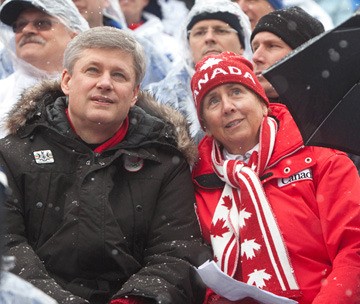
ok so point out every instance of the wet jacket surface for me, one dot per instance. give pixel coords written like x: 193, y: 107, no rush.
x: 314, y: 193
x: 94, y: 226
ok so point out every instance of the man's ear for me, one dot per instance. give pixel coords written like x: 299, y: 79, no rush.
x: 73, y: 34
x: 65, y: 79
x: 135, y: 97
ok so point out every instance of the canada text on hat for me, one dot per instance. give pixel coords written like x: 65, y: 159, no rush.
x: 227, y: 67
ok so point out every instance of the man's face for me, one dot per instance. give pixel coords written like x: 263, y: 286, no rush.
x: 91, y: 10
x: 41, y: 47
x: 101, y: 89
x: 255, y: 9
x: 213, y: 37
x: 268, y: 49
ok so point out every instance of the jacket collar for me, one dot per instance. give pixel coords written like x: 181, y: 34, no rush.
x: 167, y: 124
x: 288, y: 141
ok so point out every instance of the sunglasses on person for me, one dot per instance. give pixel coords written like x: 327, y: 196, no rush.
x: 41, y: 24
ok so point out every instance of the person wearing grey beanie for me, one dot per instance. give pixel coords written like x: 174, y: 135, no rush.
x: 256, y: 9
x: 276, y: 35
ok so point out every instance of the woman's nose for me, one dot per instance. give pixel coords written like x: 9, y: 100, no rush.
x: 227, y: 104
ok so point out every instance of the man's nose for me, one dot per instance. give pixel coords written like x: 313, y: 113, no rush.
x: 105, y: 81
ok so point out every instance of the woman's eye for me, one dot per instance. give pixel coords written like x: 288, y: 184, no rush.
x: 213, y: 101
x: 235, y: 91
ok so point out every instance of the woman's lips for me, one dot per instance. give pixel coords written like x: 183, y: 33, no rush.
x: 233, y: 123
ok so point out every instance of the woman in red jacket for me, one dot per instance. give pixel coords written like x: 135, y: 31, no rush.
x: 279, y: 215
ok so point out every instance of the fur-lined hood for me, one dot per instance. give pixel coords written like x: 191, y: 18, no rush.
x: 29, y: 104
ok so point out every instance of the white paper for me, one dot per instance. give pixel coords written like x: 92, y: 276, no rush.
x: 234, y: 290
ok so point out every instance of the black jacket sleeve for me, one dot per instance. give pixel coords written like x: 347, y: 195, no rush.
x: 27, y: 264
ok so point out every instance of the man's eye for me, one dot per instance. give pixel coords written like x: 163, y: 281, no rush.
x: 91, y: 70
x: 199, y: 33
x: 272, y: 46
x: 118, y: 75
x: 43, y: 23
x: 220, y: 31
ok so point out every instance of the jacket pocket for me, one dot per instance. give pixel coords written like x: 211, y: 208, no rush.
x: 45, y: 203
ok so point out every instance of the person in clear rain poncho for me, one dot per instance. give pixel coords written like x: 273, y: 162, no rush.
x: 41, y: 30
x: 230, y: 32
x: 148, y: 26
x: 109, y: 13
x: 101, y: 12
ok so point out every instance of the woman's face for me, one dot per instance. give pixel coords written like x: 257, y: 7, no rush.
x: 232, y: 114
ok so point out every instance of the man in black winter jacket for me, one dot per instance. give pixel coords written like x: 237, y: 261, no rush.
x: 102, y: 199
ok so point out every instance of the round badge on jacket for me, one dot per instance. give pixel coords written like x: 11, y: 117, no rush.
x: 133, y: 163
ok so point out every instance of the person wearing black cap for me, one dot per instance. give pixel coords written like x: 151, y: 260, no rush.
x: 52, y: 27
x: 276, y: 35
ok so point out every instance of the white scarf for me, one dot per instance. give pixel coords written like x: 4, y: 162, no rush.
x: 244, y: 215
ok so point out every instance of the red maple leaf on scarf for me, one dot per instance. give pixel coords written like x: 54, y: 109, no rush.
x: 227, y: 202
x: 219, y: 228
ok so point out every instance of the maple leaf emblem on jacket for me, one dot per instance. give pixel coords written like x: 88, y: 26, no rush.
x: 219, y: 228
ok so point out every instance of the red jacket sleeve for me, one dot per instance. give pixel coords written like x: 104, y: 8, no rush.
x: 129, y: 300
x: 338, y: 193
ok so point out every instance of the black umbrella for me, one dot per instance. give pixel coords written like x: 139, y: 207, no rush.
x: 319, y: 83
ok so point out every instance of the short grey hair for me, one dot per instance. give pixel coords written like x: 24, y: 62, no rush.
x: 105, y: 37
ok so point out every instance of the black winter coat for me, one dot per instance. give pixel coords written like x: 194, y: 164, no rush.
x: 99, y: 226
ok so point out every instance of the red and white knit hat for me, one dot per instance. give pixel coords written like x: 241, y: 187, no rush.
x: 227, y: 67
